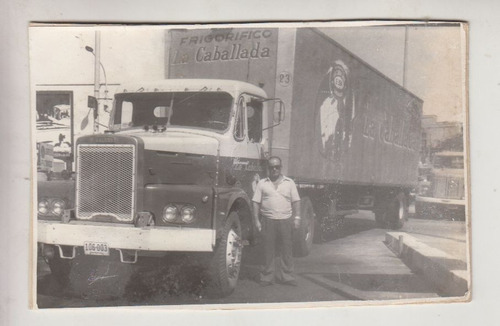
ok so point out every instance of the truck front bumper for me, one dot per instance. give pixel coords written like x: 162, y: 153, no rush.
x: 441, y: 201
x: 129, y: 237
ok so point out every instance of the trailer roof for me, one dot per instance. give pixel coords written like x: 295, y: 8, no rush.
x: 190, y: 85
x: 366, y: 64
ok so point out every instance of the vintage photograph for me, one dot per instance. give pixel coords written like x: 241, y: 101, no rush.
x: 234, y: 164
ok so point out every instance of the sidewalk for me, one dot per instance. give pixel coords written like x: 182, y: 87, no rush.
x: 437, y: 250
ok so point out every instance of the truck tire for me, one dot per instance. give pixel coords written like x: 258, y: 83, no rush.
x: 394, y: 213
x: 319, y: 233
x: 303, y: 236
x: 226, y: 260
x: 327, y: 222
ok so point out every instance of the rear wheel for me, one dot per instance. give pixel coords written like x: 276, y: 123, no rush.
x: 328, y: 223
x: 394, y: 213
x: 303, y: 236
x: 226, y: 260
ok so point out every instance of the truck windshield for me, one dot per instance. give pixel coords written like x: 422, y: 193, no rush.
x: 448, y: 162
x: 207, y: 110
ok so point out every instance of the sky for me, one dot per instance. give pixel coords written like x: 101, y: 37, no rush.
x: 58, y: 54
x: 433, y: 65
x: 433, y: 62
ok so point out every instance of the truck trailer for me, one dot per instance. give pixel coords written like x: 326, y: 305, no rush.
x: 178, y: 166
x: 350, y: 137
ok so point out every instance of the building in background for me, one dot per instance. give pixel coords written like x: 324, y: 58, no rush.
x: 438, y: 136
x: 63, y: 76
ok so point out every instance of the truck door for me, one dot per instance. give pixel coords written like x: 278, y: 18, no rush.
x: 248, y: 153
x: 257, y: 137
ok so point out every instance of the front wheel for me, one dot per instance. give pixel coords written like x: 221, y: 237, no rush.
x: 226, y: 260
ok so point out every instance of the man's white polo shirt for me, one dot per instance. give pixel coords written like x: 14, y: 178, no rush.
x: 276, y: 201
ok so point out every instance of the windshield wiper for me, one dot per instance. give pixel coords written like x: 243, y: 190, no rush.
x: 195, y: 94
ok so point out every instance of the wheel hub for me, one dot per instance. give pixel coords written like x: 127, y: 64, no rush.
x: 233, y: 256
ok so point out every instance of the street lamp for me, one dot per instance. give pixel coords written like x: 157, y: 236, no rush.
x: 91, y: 50
x: 97, y: 85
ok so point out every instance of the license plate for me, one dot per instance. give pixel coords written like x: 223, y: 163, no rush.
x: 96, y: 248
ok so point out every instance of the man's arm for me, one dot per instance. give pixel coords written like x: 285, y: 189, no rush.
x: 296, y: 213
x: 296, y: 208
x: 256, y: 221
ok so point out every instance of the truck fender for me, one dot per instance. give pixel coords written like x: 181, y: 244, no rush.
x: 236, y: 200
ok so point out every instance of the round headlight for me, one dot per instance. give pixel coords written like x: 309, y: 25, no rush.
x: 187, y: 213
x: 58, y: 207
x: 43, y: 207
x: 169, y: 213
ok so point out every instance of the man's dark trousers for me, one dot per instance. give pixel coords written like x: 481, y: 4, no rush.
x: 278, y: 250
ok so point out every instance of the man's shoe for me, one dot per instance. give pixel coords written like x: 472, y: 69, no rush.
x: 290, y: 283
x: 265, y: 283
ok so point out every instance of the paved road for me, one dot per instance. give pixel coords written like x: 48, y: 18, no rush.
x: 353, y: 265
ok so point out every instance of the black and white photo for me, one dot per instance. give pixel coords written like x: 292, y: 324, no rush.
x: 150, y: 143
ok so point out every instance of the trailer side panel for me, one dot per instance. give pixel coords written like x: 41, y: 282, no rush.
x: 350, y: 124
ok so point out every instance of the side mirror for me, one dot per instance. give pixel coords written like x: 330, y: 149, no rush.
x: 92, y: 102
x: 278, y: 112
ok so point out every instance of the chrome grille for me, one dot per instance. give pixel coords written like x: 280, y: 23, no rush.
x: 449, y: 187
x: 105, y: 184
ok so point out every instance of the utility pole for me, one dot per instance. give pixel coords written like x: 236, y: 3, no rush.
x: 405, y: 59
x: 97, y: 86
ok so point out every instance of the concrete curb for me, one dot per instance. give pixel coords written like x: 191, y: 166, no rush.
x: 355, y: 294
x: 448, y: 274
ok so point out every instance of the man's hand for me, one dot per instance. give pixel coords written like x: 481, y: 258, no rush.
x: 296, y: 222
x: 258, y: 225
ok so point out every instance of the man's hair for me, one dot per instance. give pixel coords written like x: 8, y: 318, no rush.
x: 274, y: 158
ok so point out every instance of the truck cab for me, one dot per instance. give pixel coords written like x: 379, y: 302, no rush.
x: 441, y: 190
x: 175, y: 172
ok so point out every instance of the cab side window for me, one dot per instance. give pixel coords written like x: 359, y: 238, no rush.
x: 254, y: 120
x: 239, y: 127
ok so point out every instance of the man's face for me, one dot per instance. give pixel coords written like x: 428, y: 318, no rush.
x: 274, y: 167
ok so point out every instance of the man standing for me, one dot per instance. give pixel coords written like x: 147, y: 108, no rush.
x: 277, y: 200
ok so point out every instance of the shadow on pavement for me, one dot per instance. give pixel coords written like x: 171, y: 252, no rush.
x: 171, y: 280
x: 382, y: 282
x: 352, y: 225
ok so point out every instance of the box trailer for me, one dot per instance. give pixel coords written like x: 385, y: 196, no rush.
x: 178, y: 166
x: 350, y: 137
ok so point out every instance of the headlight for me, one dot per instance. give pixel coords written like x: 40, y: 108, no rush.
x: 43, y: 207
x: 58, y: 207
x: 187, y: 213
x: 423, y: 190
x: 169, y: 213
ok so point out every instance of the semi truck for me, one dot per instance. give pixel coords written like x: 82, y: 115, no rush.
x: 178, y: 166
